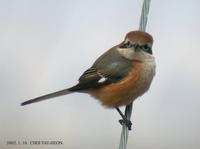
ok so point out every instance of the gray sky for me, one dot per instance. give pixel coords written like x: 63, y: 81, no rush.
x: 46, y: 45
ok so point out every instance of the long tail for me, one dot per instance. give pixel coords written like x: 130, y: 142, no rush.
x: 48, y: 96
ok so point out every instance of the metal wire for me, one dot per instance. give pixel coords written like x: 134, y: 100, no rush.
x: 128, y: 110
x: 144, y: 15
x: 124, y: 133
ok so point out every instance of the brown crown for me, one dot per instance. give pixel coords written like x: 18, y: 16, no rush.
x: 139, y: 37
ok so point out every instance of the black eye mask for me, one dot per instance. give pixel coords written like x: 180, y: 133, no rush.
x: 127, y: 45
x: 137, y: 47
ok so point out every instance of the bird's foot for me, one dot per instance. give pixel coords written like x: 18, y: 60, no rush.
x: 124, y: 119
x: 127, y: 122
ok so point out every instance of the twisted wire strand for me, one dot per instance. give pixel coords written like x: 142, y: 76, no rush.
x: 128, y: 110
x: 144, y: 15
x: 124, y: 133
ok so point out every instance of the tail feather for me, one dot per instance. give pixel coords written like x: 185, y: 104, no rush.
x: 45, y: 97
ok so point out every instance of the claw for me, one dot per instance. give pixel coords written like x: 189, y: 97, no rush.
x: 124, y: 120
x: 128, y: 123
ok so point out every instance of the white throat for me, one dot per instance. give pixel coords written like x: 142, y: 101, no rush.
x: 126, y: 52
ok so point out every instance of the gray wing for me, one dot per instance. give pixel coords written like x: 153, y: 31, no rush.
x: 109, y: 68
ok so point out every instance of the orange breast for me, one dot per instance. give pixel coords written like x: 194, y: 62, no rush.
x: 122, y: 92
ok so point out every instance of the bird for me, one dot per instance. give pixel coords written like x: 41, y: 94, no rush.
x: 117, y: 77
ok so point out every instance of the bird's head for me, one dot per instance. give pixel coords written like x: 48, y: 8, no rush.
x: 138, y: 41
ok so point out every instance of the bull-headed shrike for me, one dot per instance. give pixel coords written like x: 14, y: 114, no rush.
x: 117, y: 77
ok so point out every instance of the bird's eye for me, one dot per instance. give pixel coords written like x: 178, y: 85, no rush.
x: 146, y: 47
x: 128, y: 44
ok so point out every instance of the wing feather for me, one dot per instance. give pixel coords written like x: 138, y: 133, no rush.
x: 108, y: 68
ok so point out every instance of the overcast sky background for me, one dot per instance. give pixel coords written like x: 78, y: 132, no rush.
x: 46, y: 45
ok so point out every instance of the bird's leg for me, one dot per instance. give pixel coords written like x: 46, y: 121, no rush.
x: 124, y: 119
